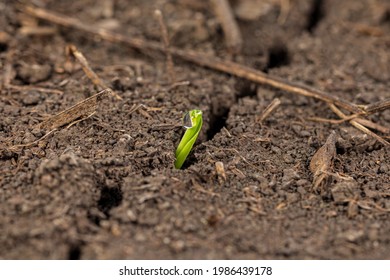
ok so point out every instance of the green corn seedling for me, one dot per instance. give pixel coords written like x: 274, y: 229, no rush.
x: 193, y: 123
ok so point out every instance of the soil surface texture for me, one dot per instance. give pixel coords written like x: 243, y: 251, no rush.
x: 104, y: 186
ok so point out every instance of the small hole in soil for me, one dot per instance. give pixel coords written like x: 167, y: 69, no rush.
x: 109, y: 198
x: 327, y: 198
x: 74, y: 252
x: 3, y: 47
x: 340, y: 150
x: 315, y: 15
x: 217, y: 122
x: 244, y: 89
x: 94, y: 219
x: 190, y: 160
x: 278, y: 56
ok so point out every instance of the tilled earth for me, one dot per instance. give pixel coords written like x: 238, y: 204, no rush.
x: 105, y: 187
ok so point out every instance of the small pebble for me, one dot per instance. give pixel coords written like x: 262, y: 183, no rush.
x: 31, y: 98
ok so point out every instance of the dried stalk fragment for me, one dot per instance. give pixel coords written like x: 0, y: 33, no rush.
x: 322, y: 161
x: 84, y: 108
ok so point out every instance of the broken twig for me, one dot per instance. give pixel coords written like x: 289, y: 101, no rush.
x: 377, y: 106
x: 359, y: 126
x: 269, y: 109
x: 364, y: 122
x: 88, y: 70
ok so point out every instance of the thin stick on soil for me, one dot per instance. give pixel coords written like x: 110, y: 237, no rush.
x: 87, y: 69
x: 165, y: 37
x: 373, y: 125
x: 332, y: 121
x: 355, y: 117
x: 377, y: 106
x: 359, y: 126
x: 269, y: 109
x: 85, y: 108
x: 229, y: 25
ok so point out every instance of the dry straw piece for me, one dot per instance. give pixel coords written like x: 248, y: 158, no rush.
x: 322, y: 161
x: 84, y: 108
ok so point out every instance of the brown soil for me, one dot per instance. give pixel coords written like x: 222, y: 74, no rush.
x: 105, y: 188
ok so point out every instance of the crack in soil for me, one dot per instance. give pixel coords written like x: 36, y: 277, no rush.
x: 278, y: 55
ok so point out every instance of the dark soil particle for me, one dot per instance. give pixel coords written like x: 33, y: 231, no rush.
x: 105, y: 187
